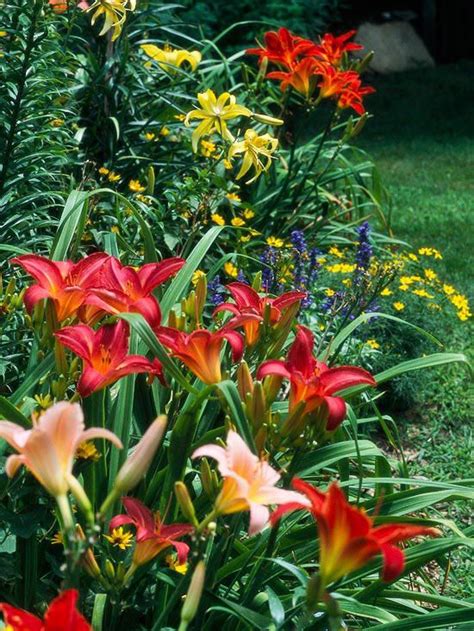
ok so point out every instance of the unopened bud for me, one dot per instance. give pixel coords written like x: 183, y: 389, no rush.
x: 201, y: 295
x: 268, y: 120
x: 257, y: 282
x: 256, y: 406
x: 109, y: 569
x: 193, y: 597
x: 206, y: 478
x: 244, y: 380
x: 271, y: 387
x: 185, y: 502
x: 150, y: 189
x: 314, y: 592
x: 137, y: 464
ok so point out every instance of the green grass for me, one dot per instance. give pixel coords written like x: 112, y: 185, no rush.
x: 421, y: 138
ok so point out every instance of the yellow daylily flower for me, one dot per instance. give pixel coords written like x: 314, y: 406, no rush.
x: 213, y: 113
x: 255, y: 149
x: 170, y: 59
x: 114, y: 12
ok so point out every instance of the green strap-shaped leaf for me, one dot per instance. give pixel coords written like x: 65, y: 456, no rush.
x: 12, y: 413
x: 72, y: 217
x: 237, y: 414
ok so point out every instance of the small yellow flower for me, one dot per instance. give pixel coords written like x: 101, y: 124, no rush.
x: 119, y: 538
x: 407, y: 280
x: 249, y: 213
x: 403, y: 287
x: 341, y: 268
x: 335, y: 251
x: 329, y: 292
x: 238, y: 222
x: 113, y: 177
x: 115, y: 229
x: 144, y: 199
x: 386, y: 292
x: 180, y: 117
x: 246, y: 238
x: 88, y: 451
x: 165, y: 131
x: 412, y: 256
x: 399, y: 306
x: 173, y: 564
x: 347, y: 282
x: 449, y: 290
x: 422, y: 293
x: 44, y: 400
x: 430, y: 274
x: 231, y: 270
x: 233, y: 197
x: 136, y: 186
x: 275, y: 242
x: 114, y: 12
x: 207, y: 148
x: 57, y: 539
x: 227, y: 164
x: 3, y: 33
x: 197, y: 275
x: 57, y: 122
x: 104, y: 171
x: 373, y: 344
x: 257, y: 153
x: 149, y: 135
x: 218, y: 219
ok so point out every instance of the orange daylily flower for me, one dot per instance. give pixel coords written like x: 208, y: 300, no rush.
x: 61, y: 614
x: 48, y: 450
x: 331, y: 49
x: 248, y: 302
x: 63, y: 282
x: 104, y: 355
x: 282, y: 47
x: 200, y: 350
x: 348, y: 537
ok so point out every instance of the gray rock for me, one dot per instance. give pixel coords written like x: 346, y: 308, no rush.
x: 396, y: 45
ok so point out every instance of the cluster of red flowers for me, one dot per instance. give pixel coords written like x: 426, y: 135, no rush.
x: 305, y: 65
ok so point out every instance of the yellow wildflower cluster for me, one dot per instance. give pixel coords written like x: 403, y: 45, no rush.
x: 462, y: 305
x: 430, y: 252
x: 231, y: 270
x: 119, y: 538
x: 341, y: 268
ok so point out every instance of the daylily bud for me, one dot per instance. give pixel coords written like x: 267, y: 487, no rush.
x: 262, y: 72
x: 193, y: 597
x: 136, y: 465
x: 256, y: 406
x: 201, y: 295
x: 81, y: 497
x: 88, y: 560
x: 206, y: 478
x: 188, y: 304
x: 271, y: 387
x: 359, y: 125
x: 363, y: 63
x: 109, y: 569
x: 257, y: 282
x: 293, y: 422
x: 185, y: 502
x: 150, y: 189
x: 268, y: 120
x: 314, y: 592
x: 244, y: 380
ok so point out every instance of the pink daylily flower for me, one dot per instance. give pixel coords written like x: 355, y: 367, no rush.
x: 248, y: 301
x: 313, y: 382
x: 152, y: 535
x: 249, y: 482
x: 48, y: 449
x: 124, y: 289
x: 104, y: 355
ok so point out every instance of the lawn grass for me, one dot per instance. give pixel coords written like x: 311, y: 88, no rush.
x: 422, y: 138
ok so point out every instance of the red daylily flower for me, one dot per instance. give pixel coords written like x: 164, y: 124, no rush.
x: 345, y: 86
x: 64, y: 282
x: 331, y: 48
x: 351, y: 96
x: 302, y: 77
x: 124, y: 289
x: 282, y: 47
x: 61, y: 614
x: 200, y: 350
x: 104, y: 355
x: 348, y: 537
x: 313, y: 382
x: 152, y: 534
x: 248, y: 302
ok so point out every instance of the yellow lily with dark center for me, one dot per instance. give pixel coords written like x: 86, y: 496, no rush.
x: 214, y: 114
x: 257, y: 152
x: 114, y: 12
x: 169, y: 59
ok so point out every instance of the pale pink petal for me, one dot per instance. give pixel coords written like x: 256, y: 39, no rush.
x: 259, y: 516
x: 240, y: 458
x: 13, y: 463
x: 14, y: 434
x: 99, y: 432
x: 212, y: 451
